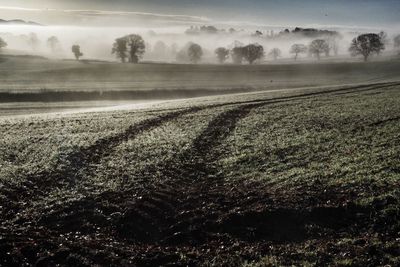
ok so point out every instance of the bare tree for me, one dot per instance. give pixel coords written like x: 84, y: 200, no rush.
x: 195, y: 52
x: 366, y: 44
x: 2, y: 43
x: 120, y: 49
x: 174, y: 48
x: 237, y: 54
x: 257, y: 34
x: 136, y: 46
x: 275, y: 53
x: 160, y: 49
x: 208, y: 29
x: 235, y: 43
x: 384, y: 39
x: 222, y: 54
x: 297, y: 49
x: 253, y: 52
x: 148, y: 47
x: 318, y: 46
x: 54, y: 44
x: 333, y: 42
x: 396, y: 42
x: 76, y: 49
x: 182, y: 55
x: 33, y: 41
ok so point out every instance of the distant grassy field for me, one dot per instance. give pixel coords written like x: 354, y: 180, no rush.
x: 297, y: 177
x: 37, y: 79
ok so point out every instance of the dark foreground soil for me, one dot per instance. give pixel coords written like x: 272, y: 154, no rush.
x: 193, y: 216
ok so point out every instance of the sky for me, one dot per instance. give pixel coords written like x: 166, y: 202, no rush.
x: 360, y: 13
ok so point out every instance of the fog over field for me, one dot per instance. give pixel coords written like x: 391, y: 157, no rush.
x: 95, y: 29
x: 96, y: 41
x: 199, y: 133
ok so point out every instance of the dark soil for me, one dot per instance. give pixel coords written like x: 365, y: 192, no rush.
x: 193, y: 216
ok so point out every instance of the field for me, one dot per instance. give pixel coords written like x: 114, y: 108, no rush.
x: 303, y: 177
x: 30, y: 78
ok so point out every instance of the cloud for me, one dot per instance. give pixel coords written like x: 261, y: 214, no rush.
x: 127, y: 14
x: 57, y: 16
x: 92, y: 17
x: 14, y: 8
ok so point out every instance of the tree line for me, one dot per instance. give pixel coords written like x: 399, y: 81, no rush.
x: 131, y: 48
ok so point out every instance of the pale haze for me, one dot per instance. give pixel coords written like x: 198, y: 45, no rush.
x: 354, y: 13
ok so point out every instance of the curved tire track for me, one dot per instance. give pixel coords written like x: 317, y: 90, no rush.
x: 79, y: 161
x: 190, y: 167
x: 193, y: 204
x: 186, y: 216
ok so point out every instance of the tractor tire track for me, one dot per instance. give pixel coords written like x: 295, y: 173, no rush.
x: 201, y: 192
x: 80, y: 161
x: 199, y: 183
x: 193, y: 204
x: 176, y: 203
x: 85, y: 156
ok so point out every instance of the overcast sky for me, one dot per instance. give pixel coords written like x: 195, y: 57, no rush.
x: 368, y: 13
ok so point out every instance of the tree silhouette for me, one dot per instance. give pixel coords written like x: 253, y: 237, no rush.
x: 366, y: 44
x: 33, y: 41
x: 237, y: 54
x: 160, y: 49
x: 384, y: 37
x: 148, y: 47
x: 236, y: 43
x: 76, y: 49
x: 297, y: 49
x: 130, y: 46
x: 318, y: 46
x: 2, y: 43
x: 120, y: 49
x: 195, y: 52
x: 54, y: 44
x: 333, y: 42
x: 396, y: 42
x: 208, y: 29
x: 253, y: 52
x: 222, y: 54
x: 275, y: 53
x: 237, y: 51
x: 182, y: 55
x: 174, y: 49
x: 257, y: 33
x: 136, y: 46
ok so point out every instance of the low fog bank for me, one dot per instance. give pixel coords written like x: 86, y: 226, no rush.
x: 56, y: 64
x: 165, y: 44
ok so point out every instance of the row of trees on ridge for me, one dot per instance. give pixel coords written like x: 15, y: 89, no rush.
x: 131, y: 48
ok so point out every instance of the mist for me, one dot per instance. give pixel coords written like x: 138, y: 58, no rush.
x: 96, y: 42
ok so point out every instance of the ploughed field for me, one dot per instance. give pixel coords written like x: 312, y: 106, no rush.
x: 299, y: 177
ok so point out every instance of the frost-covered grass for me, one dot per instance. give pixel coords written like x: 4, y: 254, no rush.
x: 130, y: 161
x: 209, y: 183
x: 30, y: 145
x: 342, y: 139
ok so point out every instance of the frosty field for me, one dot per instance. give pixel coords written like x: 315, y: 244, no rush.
x: 304, y: 176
